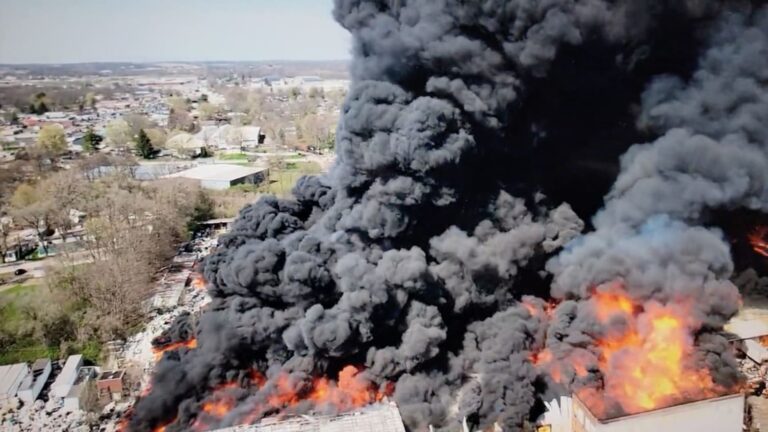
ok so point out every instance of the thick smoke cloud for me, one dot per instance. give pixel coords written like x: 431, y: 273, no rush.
x: 476, y: 139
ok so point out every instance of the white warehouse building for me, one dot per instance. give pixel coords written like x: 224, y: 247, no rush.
x: 380, y: 417
x: 718, y: 414
x: 224, y: 176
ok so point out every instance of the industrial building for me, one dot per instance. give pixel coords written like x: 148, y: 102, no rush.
x: 33, y: 383
x: 11, y: 378
x: 718, y: 414
x: 65, y: 380
x: 110, y: 385
x: 223, y: 176
x: 382, y: 417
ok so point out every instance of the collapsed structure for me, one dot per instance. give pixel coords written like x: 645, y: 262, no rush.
x: 529, y: 200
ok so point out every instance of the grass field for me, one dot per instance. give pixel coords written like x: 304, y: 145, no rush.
x: 13, y: 301
x: 232, y: 156
x: 19, y: 340
x: 15, y: 311
x: 282, y: 181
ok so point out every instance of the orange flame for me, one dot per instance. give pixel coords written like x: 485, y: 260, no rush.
x: 763, y: 341
x: 757, y: 240
x: 198, y: 282
x: 647, y: 361
x: 191, y: 344
x: 350, y: 391
x: 162, y: 427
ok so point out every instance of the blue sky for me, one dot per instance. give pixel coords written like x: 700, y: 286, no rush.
x: 65, y: 31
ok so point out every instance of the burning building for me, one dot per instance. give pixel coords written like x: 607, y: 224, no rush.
x: 383, y: 417
x: 528, y: 201
x: 720, y: 414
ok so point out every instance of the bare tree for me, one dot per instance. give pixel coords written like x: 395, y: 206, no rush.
x: 31, y: 205
x: 5, y: 232
x: 67, y: 192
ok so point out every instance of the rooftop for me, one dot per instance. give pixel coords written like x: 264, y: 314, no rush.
x: 382, y: 417
x: 110, y: 375
x: 221, y: 172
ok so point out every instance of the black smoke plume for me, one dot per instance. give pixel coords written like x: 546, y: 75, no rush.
x: 476, y: 139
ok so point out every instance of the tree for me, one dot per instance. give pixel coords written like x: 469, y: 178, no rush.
x: 67, y: 191
x: 11, y: 117
x: 138, y: 122
x: 203, y: 97
x: 90, y: 100
x: 157, y: 137
x: 31, y: 205
x: 52, y: 139
x: 177, y: 103
x: 39, y: 104
x: 144, y: 145
x: 5, y: 232
x: 91, y: 140
x: 208, y: 110
x: 119, y: 134
x: 58, y: 329
x: 202, y: 211
x: 328, y: 143
x: 180, y: 119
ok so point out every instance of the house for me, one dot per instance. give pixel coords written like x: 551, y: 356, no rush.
x: 185, y: 145
x: 230, y: 137
x: 33, y: 383
x: 224, y: 176
x: 252, y: 136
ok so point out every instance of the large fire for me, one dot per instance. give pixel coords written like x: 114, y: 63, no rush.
x: 757, y: 240
x: 159, y: 350
x: 646, y: 357
x: 282, y: 395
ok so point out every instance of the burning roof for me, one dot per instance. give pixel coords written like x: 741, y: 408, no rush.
x: 717, y: 414
x: 446, y: 255
x: 383, y: 417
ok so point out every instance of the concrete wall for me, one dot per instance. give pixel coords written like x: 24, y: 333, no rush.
x: 724, y: 414
x: 215, y: 184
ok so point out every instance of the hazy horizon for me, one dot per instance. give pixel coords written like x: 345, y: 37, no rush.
x: 168, y: 31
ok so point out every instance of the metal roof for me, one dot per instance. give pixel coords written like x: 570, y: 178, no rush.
x: 382, y: 417
x: 11, y: 377
x: 67, y: 377
x: 755, y: 351
x: 747, y: 328
x: 219, y: 172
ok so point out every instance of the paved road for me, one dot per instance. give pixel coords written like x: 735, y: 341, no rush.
x: 37, y: 269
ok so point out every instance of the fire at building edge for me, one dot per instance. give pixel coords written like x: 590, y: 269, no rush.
x: 476, y: 249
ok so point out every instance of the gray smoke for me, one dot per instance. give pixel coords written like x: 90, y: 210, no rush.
x: 475, y: 139
x: 711, y: 156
